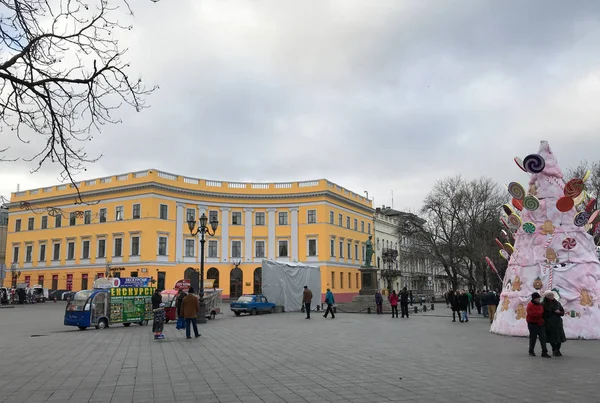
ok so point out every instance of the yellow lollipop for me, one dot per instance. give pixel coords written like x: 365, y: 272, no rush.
x: 579, y: 199
x: 585, y: 177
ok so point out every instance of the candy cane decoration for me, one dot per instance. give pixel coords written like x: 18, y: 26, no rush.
x: 548, y: 242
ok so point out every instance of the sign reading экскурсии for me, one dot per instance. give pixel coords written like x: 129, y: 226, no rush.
x: 116, y: 282
x: 132, y: 292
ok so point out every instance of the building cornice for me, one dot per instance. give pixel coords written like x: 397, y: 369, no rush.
x: 197, y: 193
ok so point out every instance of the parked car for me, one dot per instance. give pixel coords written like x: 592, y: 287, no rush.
x: 252, y: 304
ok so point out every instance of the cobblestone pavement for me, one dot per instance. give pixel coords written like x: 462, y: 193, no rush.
x: 285, y: 358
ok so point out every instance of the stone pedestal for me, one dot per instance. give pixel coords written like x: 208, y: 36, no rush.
x: 369, y: 282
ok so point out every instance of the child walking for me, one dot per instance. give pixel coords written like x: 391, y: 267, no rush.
x: 159, y: 321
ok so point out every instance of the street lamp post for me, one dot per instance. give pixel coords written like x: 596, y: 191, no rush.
x: 202, y: 230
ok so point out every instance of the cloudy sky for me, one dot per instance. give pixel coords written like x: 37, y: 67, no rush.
x: 379, y: 96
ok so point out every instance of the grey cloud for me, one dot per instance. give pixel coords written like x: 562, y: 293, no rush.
x: 378, y: 97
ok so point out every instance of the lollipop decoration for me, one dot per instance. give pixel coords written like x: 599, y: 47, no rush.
x: 491, y: 264
x: 500, y: 244
x: 579, y: 199
x: 581, y: 219
x: 564, y: 204
x: 508, y: 210
x: 519, y: 163
x: 568, y: 244
x: 529, y: 227
x: 593, y: 217
x: 590, y: 206
x: 514, y: 220
x: 516, y: 190
x: 504, y: 234
x: 518, y: 204
x: 531, y: 203
x: 504, y: 254
x: 534, y: 163
x: 574, y: 187
x: 508, y: 248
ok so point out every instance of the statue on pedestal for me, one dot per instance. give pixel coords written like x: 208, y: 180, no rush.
x: 369, y: 252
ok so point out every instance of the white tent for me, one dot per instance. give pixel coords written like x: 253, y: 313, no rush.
x: 283, y: 283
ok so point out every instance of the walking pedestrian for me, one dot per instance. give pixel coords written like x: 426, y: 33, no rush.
x: 190, y: 313
x: 463, y: 305
x: 394, y: 303
x: 306, y: 300
x: 329, y: 300
x: 484, y: 303
x: 179, y: 303
x: 553, y: 313
x: 454, y: 304
x: 379, y: 302
x: 159, y: 321
x: 477, y: 300
x: 491, y: 304
x: 404, y: 302
x: 156, y: 299
x: 470, y: 297
x: 410, y: 295
x: 535, y: 324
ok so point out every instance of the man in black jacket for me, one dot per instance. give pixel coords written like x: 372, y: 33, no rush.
x: 463, y: 305
x: 483, y: 300
x: 156, y: 299
x: 404, y: 302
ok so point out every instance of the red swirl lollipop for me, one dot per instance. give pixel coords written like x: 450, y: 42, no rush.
x: 569, y: 243
x: 565, y: 204
x: 574, y: 187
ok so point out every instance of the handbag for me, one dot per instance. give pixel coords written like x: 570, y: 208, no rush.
x: 180, y: 324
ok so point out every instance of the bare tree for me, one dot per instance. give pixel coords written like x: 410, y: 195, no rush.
x: 63, y: 75
x: 479, y: 225
x: 439, y: 236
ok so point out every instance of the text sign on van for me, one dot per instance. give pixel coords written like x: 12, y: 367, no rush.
x: 136, y: 282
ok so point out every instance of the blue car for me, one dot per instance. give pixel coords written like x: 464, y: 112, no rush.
x: 252, y: 304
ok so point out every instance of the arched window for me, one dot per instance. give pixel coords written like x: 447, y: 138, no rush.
x: 213, y: 274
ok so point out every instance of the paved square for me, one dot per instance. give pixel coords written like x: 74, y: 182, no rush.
x: 285, y: 358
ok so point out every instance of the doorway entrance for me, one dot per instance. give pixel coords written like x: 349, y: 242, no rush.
x: 258, y: 280
x: 236, y: 277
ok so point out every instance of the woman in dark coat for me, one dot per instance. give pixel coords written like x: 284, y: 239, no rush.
x: 553, y: 313
x: 453, y: 297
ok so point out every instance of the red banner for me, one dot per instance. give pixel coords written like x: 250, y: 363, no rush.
x: 69, y: 282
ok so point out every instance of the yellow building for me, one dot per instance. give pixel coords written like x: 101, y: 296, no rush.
x: 136, y: 223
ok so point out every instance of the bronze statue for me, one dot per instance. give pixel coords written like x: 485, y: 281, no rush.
x: 369, y: 252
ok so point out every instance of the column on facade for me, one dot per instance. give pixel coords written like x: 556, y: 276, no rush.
x: 224, y: 233
x: 202, y: 209
x: 179, y: 232
x: 248, y: 233
x: 294, y: 234
x: 271, y: 232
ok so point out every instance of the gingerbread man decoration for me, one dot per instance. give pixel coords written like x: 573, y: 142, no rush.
x: 551, y: 257
x: 532, y: 190
x: 586, y: 300
x: 505, y: 303
x: 547, y: 228
x: 516, y: 284
x: 521, y: 314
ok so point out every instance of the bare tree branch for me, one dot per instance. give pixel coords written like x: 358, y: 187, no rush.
x: 62, y: 75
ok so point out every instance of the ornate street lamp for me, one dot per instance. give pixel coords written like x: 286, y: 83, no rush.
x: 202, y: 230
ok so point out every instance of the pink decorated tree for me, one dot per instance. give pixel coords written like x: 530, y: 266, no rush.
x: 553, y: 249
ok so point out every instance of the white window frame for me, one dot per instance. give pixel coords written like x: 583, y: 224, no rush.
x: 287, y: 242
x: 115, y: 246
x: 69, y: 242
x: 131, y: 244
x: 83, y: 241
x: 236, y: 214
x: 262, y: 215
x: 160, y: 206
x: 119, y: 213
x: 166, y: 254
x: 98, y: 248
x: 332, y: 247
x: 139, y: 211
x: 185, y: 247
x: 308, y: 255
x: 241, y: 248
x: 285, y: 216
x: 30, y: 260
x: 264, y: 248
x: 308, y: 216
x: 45, y: 252
x: 208, y: 249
